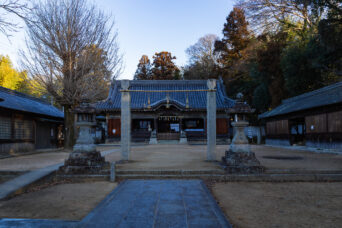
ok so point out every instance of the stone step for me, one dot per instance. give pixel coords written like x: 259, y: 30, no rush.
x: 170, y: 172
x: 294, y: 171
x: 12, y: 173
x: 243, y: 177
x: 169, y: 176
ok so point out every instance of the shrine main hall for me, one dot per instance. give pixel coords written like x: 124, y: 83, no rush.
x: 167, y: 108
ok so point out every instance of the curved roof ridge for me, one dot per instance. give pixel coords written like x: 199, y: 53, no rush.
x: 165, y: 100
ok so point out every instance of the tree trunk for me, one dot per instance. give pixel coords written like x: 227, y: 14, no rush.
x: 69, y: 121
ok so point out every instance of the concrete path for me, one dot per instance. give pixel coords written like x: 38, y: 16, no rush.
x: 11, y: 186
x: 158, y: 203
x: 146, y: 204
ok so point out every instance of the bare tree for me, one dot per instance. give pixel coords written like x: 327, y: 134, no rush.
x: 202, y: 58
x: 73, y: 52
x: 270, y: 14
x: 203, y: 50
x: 11, y: 7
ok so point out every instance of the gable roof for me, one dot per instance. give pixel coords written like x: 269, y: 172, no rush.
x: 322, y: 97
x: 22, y: 102
x: 139, y: 100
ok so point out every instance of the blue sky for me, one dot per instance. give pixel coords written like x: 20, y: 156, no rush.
x: 149, y: 26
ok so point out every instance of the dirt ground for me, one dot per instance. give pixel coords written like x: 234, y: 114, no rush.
x: 32, y: 162
x: 64, y: 201
x: 39, y: 160
x: 185, y: 157
x: 167, y: 157
x: 193, y: 157
x: 310, y: 161
x: 281, y: 204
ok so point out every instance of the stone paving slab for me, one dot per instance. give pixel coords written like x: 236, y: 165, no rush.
x: 158, y: 203
x: 146, y: 203
x: 36, y: 223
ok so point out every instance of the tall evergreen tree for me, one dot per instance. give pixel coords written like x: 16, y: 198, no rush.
x: 235, y: 37
x: 233, y: 54
x: 144, y: 70
x: 164, y: 68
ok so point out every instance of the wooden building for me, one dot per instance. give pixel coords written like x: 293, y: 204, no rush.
x: 168, y: 113
x: 313, y: 119
x: 27, y: 123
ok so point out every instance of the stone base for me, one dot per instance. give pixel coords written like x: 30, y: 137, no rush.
x: 241, y: 162
x: 84, y: 147
x: 183, y: 141
x: 82, y: 162
x: 153, y: 141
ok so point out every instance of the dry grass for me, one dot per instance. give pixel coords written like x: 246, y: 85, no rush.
x: 281, y: 204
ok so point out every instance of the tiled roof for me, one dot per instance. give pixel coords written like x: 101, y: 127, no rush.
x: 22, y: 102
x: 325, y: 96
x: 139, y: 100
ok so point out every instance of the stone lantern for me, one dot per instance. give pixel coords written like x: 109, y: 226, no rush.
x: 84, y: 158
x: 239, y: 158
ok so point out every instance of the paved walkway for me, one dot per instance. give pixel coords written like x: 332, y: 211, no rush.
x: 158, y: 203
x: 21, y: 181
x: 146, y: 203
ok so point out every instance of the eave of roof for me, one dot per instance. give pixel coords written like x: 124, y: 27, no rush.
x: 325, y: 96
x: 14, y: 100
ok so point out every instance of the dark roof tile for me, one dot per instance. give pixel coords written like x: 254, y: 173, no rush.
x: 22, y: 102
x: 139, y: 100
x: 322, y: 97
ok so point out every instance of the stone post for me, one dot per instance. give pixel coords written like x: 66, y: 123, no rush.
x: 84, y: 158
x: 211, y: 120
x: 239, y: 158
x: 112, y: 172
x: 259, y: 135
x: 153, y: 138
x: 125, y: 120
x: 240, y: 141
x: 183, y: 139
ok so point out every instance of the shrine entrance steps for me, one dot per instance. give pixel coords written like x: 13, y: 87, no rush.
x: 169, y: 174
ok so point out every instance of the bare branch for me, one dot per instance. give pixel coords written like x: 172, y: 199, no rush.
x: 72, y: 50
x: 12, y: 7
x: 272, y: 14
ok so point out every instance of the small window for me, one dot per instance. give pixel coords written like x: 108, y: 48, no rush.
x: 23, y: 129
x: 5, y: 128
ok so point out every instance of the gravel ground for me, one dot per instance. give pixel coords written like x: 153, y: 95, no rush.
x: 280, y: 204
